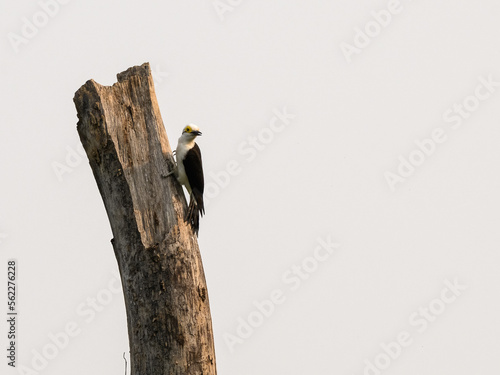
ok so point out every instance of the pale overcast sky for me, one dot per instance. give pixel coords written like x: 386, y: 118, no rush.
x: 351, y: 160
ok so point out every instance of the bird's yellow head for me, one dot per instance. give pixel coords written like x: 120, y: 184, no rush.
x: 191, y: 130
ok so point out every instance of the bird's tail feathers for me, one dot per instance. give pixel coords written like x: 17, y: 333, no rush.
x: 199, y: 201
x: 195, y: 209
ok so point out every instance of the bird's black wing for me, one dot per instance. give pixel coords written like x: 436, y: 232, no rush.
x: 194, y: 171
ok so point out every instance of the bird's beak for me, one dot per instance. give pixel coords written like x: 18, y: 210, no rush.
x: 196, y: 132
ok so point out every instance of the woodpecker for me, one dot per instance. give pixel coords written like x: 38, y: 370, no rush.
x: 189, y: 172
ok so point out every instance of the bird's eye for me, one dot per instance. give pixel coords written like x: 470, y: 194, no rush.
x: 188, y: 129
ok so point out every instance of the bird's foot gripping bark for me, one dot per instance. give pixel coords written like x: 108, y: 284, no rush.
x: 172, y: 172
x: 168, y: 174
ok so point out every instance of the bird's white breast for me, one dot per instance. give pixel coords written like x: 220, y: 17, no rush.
x: 181, y: 151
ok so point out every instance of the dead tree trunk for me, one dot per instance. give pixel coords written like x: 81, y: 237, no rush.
x: 168, y: 313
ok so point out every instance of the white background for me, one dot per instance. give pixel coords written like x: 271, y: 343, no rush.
x: 322, y: 176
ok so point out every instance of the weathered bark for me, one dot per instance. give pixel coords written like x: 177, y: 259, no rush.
x: 168, y: 313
